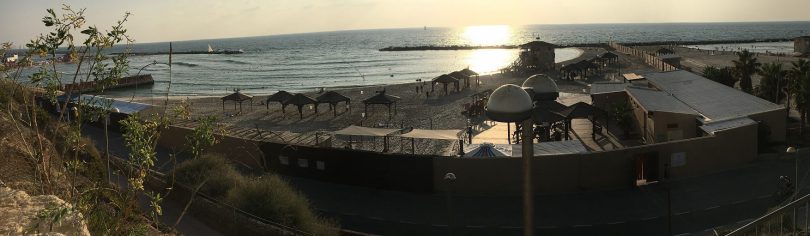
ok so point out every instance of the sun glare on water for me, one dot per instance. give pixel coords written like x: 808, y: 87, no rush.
x: 487, y: 34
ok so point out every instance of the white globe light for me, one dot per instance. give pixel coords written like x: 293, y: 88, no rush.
x: 509, y: 103
x: 543, y: 87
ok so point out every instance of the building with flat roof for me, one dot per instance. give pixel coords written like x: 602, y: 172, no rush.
x: 801, y: 45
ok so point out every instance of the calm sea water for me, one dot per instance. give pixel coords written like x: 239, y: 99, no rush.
x: 304, y: 62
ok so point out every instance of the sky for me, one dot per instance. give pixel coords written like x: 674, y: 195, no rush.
x: 175, y: 20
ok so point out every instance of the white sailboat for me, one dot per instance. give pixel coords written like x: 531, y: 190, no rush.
x: 210, y: 49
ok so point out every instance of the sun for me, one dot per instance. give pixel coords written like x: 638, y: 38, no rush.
x: 487, y: 34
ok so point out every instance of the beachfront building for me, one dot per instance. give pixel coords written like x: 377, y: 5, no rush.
x: 801, y: 45
x: 11, y: 59
x: 681, y: 105
x: 538, y: 55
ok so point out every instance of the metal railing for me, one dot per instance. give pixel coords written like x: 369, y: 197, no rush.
x: 791, y: 219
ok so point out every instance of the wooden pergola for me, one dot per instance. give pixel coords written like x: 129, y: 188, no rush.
x: 300, y: 100
x: 471, y: 73
x: 444, y: 79
x: 279, y: 97
x: 382, y: 99
x: 461, y: 76
x: 237, y: 97
x: 333, y: 98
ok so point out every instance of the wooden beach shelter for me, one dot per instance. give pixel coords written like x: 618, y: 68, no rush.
x: 359, y: 131
x: 579, y: 110
x: 279, y: 97
x: 461, y: 76
x: 333, y: 98
x: 609, y: 57
x: 664, y: 51
x: 237, y: 97
x: 300, y: 100
x: 444, y: 79
x: 382, y: 99
x: 471, y: 73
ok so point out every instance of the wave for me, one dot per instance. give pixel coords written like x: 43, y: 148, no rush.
x: 237, y: 62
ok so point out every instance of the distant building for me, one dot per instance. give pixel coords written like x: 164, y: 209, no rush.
x: 539, y: 55
x: 11, y: 59
x: 801, y: 45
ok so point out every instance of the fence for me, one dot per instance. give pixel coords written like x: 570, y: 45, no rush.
x: 791, y: 219
x: 648, y: 58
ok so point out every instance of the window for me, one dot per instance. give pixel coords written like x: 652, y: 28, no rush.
x: 303, y: 163
x: 320, y: 165
x: 284, y: 160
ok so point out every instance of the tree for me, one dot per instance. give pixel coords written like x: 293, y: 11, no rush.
x: 622, y: 114
x: 799, y: 87
x: 771, y: 87
x: 744, y: 67
x: 723, y: 75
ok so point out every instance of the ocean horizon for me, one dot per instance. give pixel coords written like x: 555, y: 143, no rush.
x: 308, y: 61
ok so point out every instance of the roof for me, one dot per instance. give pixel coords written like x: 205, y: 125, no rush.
x: 279, y: 96
x: 579, y: 110
x: 553, y: 148
x: 459, y: 75
x: 299, y: 99
x: 237, y: 96
x: 449, y: 134
x: 713, y: 127
x: 713, y: 100
x: 632, y: 76
x: 445, y: 78
x: 608, y: 55
x: 654, y: 100
x: 468, y: 72
x: 668, y: 56
x: 332, y: 97
x: 537, y: 44
x: 608, y: 87
x: 365, y: 131
x: 123, y: 107
x: 381, y: 98
x: 541, y: 83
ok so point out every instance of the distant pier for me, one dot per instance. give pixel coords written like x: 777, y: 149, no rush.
x: 92, y: 86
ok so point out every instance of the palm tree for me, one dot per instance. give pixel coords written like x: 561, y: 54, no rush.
x: 770, y: 86
x: 799, y: 87
x: 744, y: 67
x: 723, y: 75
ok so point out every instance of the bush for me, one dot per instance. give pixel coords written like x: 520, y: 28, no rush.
x: 271, y: 198
x: 220, y: 174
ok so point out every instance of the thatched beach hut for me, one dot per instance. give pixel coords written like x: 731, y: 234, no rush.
x: 381, y: 99
x: 300, y: 100
x: 279, y: 97
x: 444, y: 79
x: 333, y: 98
x: 461, y: 76
x: 471, y: 73
x: 236, y: 97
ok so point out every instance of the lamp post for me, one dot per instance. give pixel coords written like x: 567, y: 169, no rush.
x: 510, y: 103
x: 450, y: 177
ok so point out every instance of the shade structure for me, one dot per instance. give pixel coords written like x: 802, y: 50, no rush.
x: 278, y: 97
x: 664, y: 51
x: 236, y: 97
x: 579, y: 110
x: 471, y: 73
x: 461, y: 76
x: 609, y: 55
x: 543, y: 87
x: 488, y: 150
x: 300, y: 100
x: 333, y: 98
x: 354, y: 130
x: 381, y: 99
x: 445, y: 79
x: 449, y: 134
x: 540, y: 116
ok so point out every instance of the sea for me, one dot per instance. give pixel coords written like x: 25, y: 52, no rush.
x: 310, y: 61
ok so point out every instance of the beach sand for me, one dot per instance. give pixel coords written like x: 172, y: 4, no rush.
x: 438, y: 111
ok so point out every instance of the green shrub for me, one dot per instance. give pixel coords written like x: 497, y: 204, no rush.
x: 220, y: 174
x: 271, y: 198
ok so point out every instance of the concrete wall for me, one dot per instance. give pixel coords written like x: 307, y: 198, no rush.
x: 776, y: 121
x: 598, y: 170
x: 687, y: 124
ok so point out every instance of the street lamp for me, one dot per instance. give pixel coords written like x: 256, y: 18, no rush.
x: 510, y: 103
x: 450, y: 177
